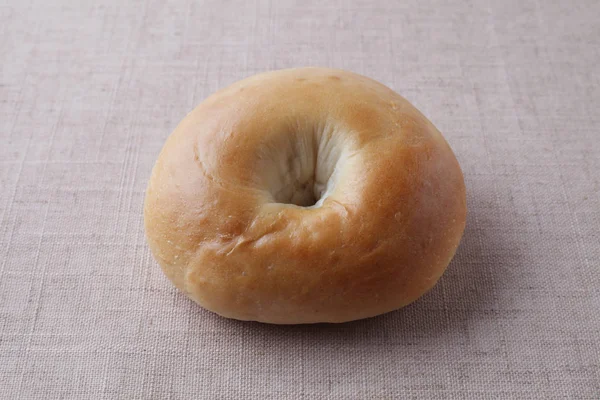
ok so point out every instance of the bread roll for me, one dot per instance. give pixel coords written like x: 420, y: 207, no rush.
x: 305, y: 195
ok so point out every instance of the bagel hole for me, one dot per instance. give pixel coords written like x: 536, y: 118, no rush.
x: 303, y: 181
x: 303, y: 174
x: 297, y: 191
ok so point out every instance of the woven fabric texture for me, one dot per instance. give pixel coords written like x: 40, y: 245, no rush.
x: 89, y: 91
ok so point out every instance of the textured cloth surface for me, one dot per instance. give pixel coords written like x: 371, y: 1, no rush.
x: 90, y: 90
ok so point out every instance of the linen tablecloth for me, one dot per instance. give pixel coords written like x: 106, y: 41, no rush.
x: 89, y: 91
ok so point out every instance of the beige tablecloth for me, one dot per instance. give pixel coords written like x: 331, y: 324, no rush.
x: 89, y: 91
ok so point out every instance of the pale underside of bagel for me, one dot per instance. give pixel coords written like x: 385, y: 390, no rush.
x: 305, y: 195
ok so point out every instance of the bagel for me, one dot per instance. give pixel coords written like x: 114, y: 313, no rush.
x: 305, y: 195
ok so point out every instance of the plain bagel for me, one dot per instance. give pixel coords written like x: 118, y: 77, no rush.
x: 305, y: 195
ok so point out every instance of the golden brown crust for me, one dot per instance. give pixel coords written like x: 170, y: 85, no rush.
x: 382, y: 236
